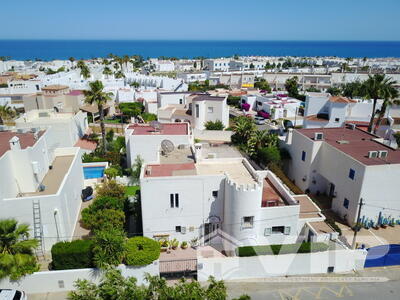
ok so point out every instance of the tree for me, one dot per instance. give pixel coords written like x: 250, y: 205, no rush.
x: 243, y: 128
x: 269, y: 155
x: 141, y: 251
x: 112, y: 172
x: 263, y: 85
x: 72, y: 60
x: 353, y: 89
x: 260, y: 139
x: 113, y: 286
x: 251, y: 66
x: 377, y: 87
x: 103, y: 219
x: 291, y: 86
x: 334, y: 91
x: 107, y: 71
x: 109, y: 247
x: 110, y: 188
x: 16, y: 250
x: 6, y: 113
x: 85, y: 72
x: 391, y: 94
x: 119, y: 75
x: 97, y: 96
x: 217, y: 125
x: 131, y: 109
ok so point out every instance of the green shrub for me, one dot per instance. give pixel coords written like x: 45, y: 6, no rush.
x: 331, y: 222
x: 217, y: 125
x: 305, y: 247
x: 105, y: 202
x: 233, y: 100
x: 108, y: 247
x: 110, y: 188
x: 141, y: 251
x: 269, y: 155
x: 72, y: 255
x: 103, y: 219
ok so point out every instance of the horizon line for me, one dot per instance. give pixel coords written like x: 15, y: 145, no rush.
x: 186, y: 40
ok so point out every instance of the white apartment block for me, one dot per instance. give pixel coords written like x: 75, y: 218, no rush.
x: 194, y: 108
x: 217, y: 64
x: 33, y: 183
x: 194, y: 190
x: 64, y: 129
x: 347, y: 164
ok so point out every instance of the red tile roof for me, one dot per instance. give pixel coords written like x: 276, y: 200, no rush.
x: 86, y: 144
x: 167, y: 169
x: 25, y: 139
x: 359, y: 143
x: 75, y: 93
x: 166, y: 129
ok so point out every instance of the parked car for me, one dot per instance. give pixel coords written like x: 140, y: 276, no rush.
x: 259, y: 120
x: 8, y: 294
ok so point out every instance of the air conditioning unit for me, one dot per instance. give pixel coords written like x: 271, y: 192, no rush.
x: 183, y: 229
x: 372, y: 154
x: 318, y: 136
x: 383, y: 154
x: 351, y: 126
x: 35, y: 167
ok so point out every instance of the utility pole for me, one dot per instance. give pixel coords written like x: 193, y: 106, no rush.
x: 356, y: 229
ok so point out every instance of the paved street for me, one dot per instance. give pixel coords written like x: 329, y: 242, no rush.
x: 263, y: 289
x: 379, y: 283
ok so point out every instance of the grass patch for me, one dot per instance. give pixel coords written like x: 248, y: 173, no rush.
x: 305, y: 247
x: 115, y: 121
x: 282, y: 176
x: 131, y: 190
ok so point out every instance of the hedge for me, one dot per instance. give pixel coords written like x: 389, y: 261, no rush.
x: 72, y: 255
x: 141, y: 251
x: 305, y: 247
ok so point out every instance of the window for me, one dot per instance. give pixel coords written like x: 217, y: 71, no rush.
x: 278, y: 229
x: 178, y: 228
x: 248, y: 222
x: 174, y: 200
x: 337, y: 120
x: 346, y: 203
x: 180, y: 101
x: 197, y: 110
x: 352, y: 174
x: 215, y: 194
x: 303, y: 156
x: 210, y: 110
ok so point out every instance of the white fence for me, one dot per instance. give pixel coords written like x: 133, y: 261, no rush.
x: 59, y: 281
x: 236, y: 268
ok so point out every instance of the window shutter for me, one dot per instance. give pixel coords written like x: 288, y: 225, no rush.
x: 267, y: 231
x: 171, y: 200
x: 287, y: 230
x: 176, y: 200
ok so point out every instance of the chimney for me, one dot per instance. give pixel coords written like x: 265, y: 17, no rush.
x: 197, y: 151
x: 14, y: 143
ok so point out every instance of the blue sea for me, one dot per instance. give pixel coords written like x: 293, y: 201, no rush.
x: 85, y: 49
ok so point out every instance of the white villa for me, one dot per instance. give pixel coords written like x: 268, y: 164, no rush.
x: 347, y: 164
x: 189, y: 191
x: 38, y: 188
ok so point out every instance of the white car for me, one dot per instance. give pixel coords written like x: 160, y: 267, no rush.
x: 8, y: 294
x: 259, y: 120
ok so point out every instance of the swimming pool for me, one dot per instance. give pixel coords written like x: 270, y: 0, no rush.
x: 93, y: 172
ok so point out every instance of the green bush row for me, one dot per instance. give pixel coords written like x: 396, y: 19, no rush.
x: 79, y: 254
x: 305, y: 247
x: 72, y: 255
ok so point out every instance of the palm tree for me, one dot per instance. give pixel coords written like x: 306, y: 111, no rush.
x: 97, y: 96
x: 107, y: 71
x: 6, y: 113
x: 260, y: 139
x: 244, y: 128
x: 390, y: 98
x: 85, y: 72
x: 377, y: 87
x: 72, y: 59
x: 16, y: 250
x: 119, y: 75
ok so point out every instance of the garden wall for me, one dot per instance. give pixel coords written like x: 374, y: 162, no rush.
x: 234, y: 268
x: 59, y: 281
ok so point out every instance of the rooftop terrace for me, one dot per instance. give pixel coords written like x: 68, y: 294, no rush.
x: 165, y: 129
x: 54, y: 177
x: 355, y: 143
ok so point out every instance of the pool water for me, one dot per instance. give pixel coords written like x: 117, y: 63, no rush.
x: 93, y: 172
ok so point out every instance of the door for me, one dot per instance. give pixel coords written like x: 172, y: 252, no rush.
x: 209, y: 229
x: 331, y: 190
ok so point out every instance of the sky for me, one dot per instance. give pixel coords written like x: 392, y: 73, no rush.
x: 201, y: 20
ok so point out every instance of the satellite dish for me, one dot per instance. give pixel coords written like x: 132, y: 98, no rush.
x: 167, y: 146
x: 156, y: 125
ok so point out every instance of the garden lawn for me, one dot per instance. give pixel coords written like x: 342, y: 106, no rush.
x: 131, y: 190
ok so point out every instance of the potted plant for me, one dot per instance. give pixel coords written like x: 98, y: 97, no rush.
x: 194, y: 243
x: 163, y: 245
x: 391, y: 224
x: 184, y: 245
x: 174, y: 244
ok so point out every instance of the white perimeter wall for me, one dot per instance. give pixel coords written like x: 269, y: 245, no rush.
x: 233, y: 268
x: 47, y: 282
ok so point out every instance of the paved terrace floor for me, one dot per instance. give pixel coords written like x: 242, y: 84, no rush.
x: 54, y: 177
x: 236, y: 171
